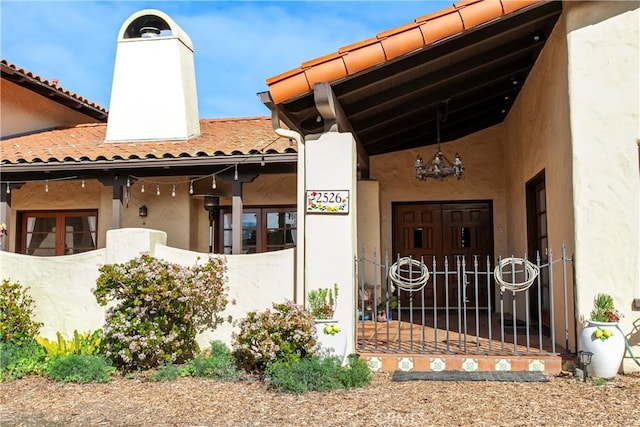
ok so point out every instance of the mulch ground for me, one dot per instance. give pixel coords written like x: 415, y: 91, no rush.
x: 563, y: 401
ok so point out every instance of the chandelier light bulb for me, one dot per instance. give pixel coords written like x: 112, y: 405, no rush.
x: 173, y: 191
x: 82, y: 184
x: 157, y: 189
x: 213, y: 181
x: 142, y: 188
x: 128, y: 182
x: 8, y: 189
x: 235, y: 174
x: 46, y: 185
x: 191, y: 187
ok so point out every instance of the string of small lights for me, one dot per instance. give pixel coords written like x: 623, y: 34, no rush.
x: 132, y: 178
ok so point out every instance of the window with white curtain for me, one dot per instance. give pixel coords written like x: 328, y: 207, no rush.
x: 50, y: 233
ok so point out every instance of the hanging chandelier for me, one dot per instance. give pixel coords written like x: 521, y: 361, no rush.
x: 439, y: 167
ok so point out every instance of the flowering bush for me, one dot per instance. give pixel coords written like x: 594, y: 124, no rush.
x: 286, y: 334
x: 16, y: 314
x: 159, y: 308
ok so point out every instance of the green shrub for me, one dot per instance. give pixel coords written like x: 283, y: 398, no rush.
x: 159, y: 308
x: 80, y: 368
x: 87, y: 344
x: 356, y: 374
x: 16, y: 314
x: 317, y: 374
x: 286, y: 334
x: 169, y: 372
x: 16, y: 361
x: 216, y: 363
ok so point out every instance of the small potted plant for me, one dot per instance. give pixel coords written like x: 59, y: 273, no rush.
x: 322, y: 306
x: 602, y: 337
x: 322, y: 302
x: 386, y: 307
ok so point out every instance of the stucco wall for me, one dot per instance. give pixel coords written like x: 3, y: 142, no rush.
x: 576, y: 118
x: 537, y: 139
x: 369, y: 231
x: 484, y: 179
x: 61, y: 286
x: 25, y: 111
x: 603, y: 40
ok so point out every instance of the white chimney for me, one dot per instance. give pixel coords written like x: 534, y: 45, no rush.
x: 153, y: 95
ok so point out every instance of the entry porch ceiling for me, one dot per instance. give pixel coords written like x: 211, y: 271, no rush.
x: 480, y: 72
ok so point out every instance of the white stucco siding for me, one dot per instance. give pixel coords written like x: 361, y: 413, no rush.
x: 330, y: 238
x: 537, y: 139
x: 256, y: 281
x: 604, y: 63
x: 62, y: 287
x: 604, y: 93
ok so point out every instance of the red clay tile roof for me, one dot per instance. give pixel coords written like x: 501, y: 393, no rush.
x: 387, y: 45
x: 53, y: 87
x: 218, y: 137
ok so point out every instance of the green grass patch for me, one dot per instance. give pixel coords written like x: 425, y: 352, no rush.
x: 317, y: 374
x: 80, y: 368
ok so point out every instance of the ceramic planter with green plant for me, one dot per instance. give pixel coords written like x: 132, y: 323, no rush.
x: 322, y: 306
x: 602, y: 337
x: 322, y: 302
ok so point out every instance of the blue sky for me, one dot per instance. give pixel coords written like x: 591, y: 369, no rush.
x: 237, y: 44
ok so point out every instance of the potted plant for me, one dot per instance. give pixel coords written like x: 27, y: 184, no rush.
x: 322, y: 306
x: 386, y: 307
x: 601, y: 336
x: 322, y: 302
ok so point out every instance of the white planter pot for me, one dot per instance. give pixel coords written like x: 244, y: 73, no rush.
x: 607, y: 354
x: 331, y: 345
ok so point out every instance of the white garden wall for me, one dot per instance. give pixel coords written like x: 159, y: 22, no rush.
x: 61, y: 286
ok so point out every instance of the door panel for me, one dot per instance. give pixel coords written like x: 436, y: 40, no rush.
x: 470, y: 233
x: 538, y: 244
x: 418, y: 234
x: 451, y: 230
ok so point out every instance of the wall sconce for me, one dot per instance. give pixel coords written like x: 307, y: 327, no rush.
x: 585, y: 360
x: 142, y: 213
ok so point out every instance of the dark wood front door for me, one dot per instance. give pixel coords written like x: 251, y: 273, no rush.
x: 446, y: 230
x: 537, y: 245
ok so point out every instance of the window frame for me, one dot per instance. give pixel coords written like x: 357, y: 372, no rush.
x: 262, y: 213
x: 60, y: 217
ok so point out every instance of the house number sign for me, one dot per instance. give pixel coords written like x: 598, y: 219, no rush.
x: 330, y: 201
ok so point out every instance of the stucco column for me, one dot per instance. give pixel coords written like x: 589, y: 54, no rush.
x: 236, y: 218
x: 369, y: 229
x: 330, y: 241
